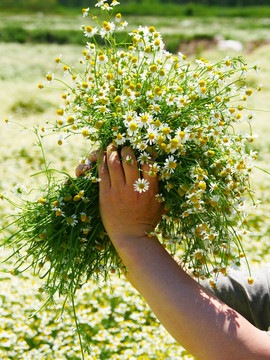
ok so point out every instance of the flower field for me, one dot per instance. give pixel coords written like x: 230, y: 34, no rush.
x: 114, y: 320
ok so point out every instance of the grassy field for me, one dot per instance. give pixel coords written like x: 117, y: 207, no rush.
x: 117, y: 323
x: 36, y: 27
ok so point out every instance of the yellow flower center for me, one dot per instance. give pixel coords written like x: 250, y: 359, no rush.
x: 174, y: 143
x: 166, y: 131
x: 153, y: 68
x: 133, y: 127
x: 144, y: 118
x: 172, y: 165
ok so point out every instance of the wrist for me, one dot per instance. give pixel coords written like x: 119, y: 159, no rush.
x: 123, y: 235
x: 132, y: 248
x: 128, y: 240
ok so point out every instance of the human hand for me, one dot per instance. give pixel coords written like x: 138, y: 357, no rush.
x: 125, y: 213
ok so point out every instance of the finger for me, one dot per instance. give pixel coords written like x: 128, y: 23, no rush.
x: 93, y: 158
x: 83, y: 168
x: 95, y: 155
x: 130, y: 165
x: 103, y: 174
x: 115, y: 167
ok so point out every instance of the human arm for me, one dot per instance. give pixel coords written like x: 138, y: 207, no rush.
x: 200, y: 322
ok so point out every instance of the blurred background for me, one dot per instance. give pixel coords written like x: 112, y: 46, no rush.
x: 115, y: 321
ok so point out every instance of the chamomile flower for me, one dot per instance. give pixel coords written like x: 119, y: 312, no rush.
x: 19, y: 190
x: 170, y: 100
x: 50, y: 77
x: 123, y: 25
x: 170, y: 164
x: 62, y: 141
x: 145, y: 119
x: 114, y: 3
x: 107, y: 29
x: 153, y: 169
x: 72, y: 220
x: 151, y: 135
x: 141, y: 145
x: 9, y: 120
x: 100, y: 3
x: 144, y: 158
x: 85, y: 12
x: 120, y: 139
x: 90, y: 31
x: 141, y: 185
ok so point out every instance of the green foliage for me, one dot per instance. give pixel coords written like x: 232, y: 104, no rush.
x: 192, y: 9
x: 74, y: 256
x: 28, y: 106
x: 29, y: 5
x: 173, y: 41
x: 21, y: 35
x: 42, y: 36
x: 188, y: 8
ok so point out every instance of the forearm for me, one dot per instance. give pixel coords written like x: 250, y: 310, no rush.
x: 201, y: 323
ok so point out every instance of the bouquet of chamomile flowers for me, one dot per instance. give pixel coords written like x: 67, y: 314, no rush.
x: 180, y: 119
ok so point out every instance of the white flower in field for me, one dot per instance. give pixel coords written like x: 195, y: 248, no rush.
x: 9, y: 120
x: 85, y: 12
x: 58, y: 211
x: 102, y: 59
x: 50, y: 77
x: 227, y: 61
x: 91, y: 48
x: 144, y: 158
x: 100, y: 3
x: 90, y: 31
x: 151, y: 135
x: 181, y: 101
x: 114, y: 3
x: 170, y: 100
x: 141, y: 185
x: 123, y: 25
x: 166, y: 130
x: 153, y: 170
x: 72, y: 220
x: 145, y: 118
x: 102, y: 109
x: 120, y: 139
x: 182, y: 57
x: 61, y: 141
x: 182, y: 135
x: 132, y: 127
x: 160, y: 198
x: 259, y: 87
x: 257, y: 67
x: 170, y: 163
x: 107, y: 29
x: 250, y: 117
x: 19, y: 190
x: 141, y: 145
x: 199, y: 253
